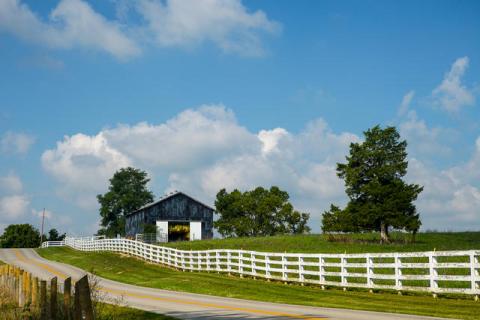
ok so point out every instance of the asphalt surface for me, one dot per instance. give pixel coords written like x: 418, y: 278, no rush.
x: 185, y: 305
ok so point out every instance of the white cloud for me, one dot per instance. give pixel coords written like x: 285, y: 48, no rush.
x: 11, y: 183
x: 227, y: 24
x: 202, y: 150
x: 19, y: 143
x: 451, y: 197
x: 173, y: 23
x: 72, y: 24
x: 423, y: 140
x: 451, y: 94
x: 13, y: 207
x: 83, y: 164
x: 271, y: 138
x: 406, y: 101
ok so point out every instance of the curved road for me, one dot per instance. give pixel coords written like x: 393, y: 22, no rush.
x: 185, y: 305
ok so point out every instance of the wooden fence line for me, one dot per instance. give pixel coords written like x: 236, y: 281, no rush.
x: 42, y: 298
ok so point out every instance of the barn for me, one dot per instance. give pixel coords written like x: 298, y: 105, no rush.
x: 177, y: 217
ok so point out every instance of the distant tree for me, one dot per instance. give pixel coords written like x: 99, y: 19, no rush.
x: 53, y: 235
x: 259, y: 212
x: 20, y: 236
x: 338, y: 220
x: 379, y: 198
x: 126, y: 193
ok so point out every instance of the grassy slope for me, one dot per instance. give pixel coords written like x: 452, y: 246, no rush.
x: 133, y: 271
x: 318, y: 243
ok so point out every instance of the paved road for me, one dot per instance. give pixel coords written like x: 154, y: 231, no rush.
x: 186, y: 305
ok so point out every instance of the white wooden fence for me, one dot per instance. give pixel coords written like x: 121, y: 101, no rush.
x: 433, y: 271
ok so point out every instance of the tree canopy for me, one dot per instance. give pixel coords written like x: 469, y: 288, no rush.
x: 379, y: 198
x: 127, y: 192
x: 20, y: 236
x: 259, y: 212
x: 53, y: 235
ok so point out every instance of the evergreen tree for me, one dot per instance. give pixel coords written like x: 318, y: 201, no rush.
x: 379, y: 198
x: 126, y: 193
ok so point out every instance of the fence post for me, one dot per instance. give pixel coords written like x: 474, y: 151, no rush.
x: 53, y: 298
x: 432, y: 262
x: 84, y: 307
x: 284, y: 269
x: 240, y: 263
x: 67, y: 298
x: 398, y: 272
x: 43, y: 300
x: 473, y: 274
x: 34, y: 292
x: 343, y: 271
x: 21, y: 288
x: 321, y: 271
x: 369, y: 261
x: 28, y: 288
x: 301, y: 276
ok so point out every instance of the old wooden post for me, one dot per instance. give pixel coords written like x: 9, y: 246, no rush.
x: 28, y: 288
x: 77, y: 309
x: 43, y: 300
x: 34, y: 292
x: 67, y: 298
x: 85, y: 298
x: 53, y: 298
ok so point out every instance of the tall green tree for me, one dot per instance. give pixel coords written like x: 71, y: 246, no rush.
x: 258, y: 212
x: 379, y: 198
x: 20, y: 236
x: 127, y: 192
x: 53, y: 235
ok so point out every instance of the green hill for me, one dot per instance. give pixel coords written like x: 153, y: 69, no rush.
x: 356, y: 243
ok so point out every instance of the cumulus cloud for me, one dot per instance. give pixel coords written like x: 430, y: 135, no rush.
x: 72, y: 24
x: 450, y: 200
x: 451, y: 95
x: 228, y: 24
x: 17, y: 143
x: 13, y: 207
x: 205, y: 149
x: 202, y: 150
x: 422, y: 139
x: 75, y: 24
x: 11, y: 183
x: 83, y: 164
x: 13, y: 203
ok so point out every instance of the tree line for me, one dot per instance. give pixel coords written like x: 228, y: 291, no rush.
x: 379, y: 198
x: 26, y: 236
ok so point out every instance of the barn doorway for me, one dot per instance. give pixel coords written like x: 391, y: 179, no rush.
x: 178, y: 231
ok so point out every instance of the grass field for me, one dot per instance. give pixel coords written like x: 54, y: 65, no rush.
x: 134, y: 271
x: 319, y: 243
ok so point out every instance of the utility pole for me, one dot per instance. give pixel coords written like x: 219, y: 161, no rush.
x: 43, y: 221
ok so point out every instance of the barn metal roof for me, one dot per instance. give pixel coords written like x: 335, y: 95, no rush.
x: 165, y: 197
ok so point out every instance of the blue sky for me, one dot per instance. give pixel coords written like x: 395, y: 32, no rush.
x: 205, y: 95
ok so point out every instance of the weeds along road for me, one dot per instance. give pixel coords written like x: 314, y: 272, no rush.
x: 185, y: 305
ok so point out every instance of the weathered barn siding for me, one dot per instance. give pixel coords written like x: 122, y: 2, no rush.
x: 177, y: 207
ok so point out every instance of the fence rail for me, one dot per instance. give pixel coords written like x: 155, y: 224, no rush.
x: 434, y: 271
